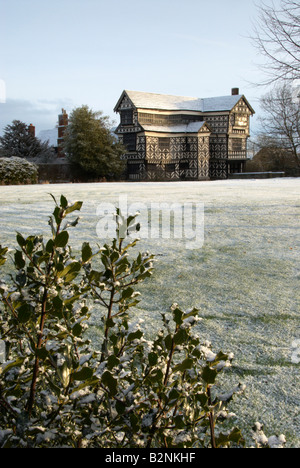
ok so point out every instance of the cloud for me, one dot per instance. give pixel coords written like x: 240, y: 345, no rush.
x: 42, y: 114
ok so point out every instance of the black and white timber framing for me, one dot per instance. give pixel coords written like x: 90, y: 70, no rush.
x: 183, y: 138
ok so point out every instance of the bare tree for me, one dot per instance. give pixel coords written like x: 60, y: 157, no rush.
x: 281, y: 118
x: 277, y: 38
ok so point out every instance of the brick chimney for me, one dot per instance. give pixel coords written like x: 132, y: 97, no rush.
x: 31, y: 130
x: 63, y: 121
x: 235, y: 91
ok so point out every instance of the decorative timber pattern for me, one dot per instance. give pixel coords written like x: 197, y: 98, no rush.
x: 179, y: 138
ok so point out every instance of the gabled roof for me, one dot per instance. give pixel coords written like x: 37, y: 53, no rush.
x: 153, y: 101
x: 49, y: 135
x: 222, y: 103
x: 163, y: 101
x: 192, y: 127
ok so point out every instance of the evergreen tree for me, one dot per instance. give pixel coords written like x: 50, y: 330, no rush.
x: 90, y: 145
x: 19, y: 142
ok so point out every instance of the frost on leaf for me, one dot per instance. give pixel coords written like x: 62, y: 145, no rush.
x: 262, y: 441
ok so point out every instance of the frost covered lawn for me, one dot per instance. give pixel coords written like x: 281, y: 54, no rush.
x: 245, y: 279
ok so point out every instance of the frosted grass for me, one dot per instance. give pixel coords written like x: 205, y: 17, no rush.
x: 245, y: 279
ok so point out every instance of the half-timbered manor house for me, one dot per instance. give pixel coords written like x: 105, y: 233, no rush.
x: 183, y: 138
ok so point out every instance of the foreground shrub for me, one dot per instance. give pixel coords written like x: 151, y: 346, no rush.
x: 15, y: 171
x: 57, y: 390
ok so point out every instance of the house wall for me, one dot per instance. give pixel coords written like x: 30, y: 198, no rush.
x: 186, y: 156
x: 190, y: 156
x: 203, y: 157
x: 172, y: 157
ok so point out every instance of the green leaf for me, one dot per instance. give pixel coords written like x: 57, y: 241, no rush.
x: 29, y: 246
x: 169, y: 342
x: 114, y: 339
x: 114, y: 256
x: 49, y: 246
x: 179, y: 423
x: 112, y: 362
x: 60, y: 267
x: 61, y: 239
x: 152, y: 358
x: 70, y: 272
x: 180, y: 337
x: 86, y: 252
x: 73, y: 223
x: 156, y: 376
x: 54, y: 388
x: 193, y: 313
x: 134, y: 422
x: 185, y: 365
x: 209, y: 375
x: 20, y: 239
x: 174, y: 394
x: 110, y: 382
x: 63, y: 202
x: 94, y: 276
x: 203, y: 399
x: 84, y: 374
x: 57, y: 303
x: 135, y: 335
x: 57, y: 213
x: 19, y: 260
x: 53, y: 197
x: 88, y: 383
x: 76, y: 207
x: 127, y: 293
x: 234, y: 437
x: 120, y: 407
x: 21, y: 278
x: 42, y: 258
x: 64, y: 373
x: 17, y: 363
x: 220, y: 357
x: 42, y: 353
x: 178, y: 314
x: 72, y: 299
x: 110, y: 323
x: 3, y: 251
x: 24, y: 313
x: 77, y: 330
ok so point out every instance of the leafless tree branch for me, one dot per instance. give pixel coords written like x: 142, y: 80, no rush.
x: 281, y: 118
x: 277, y: 38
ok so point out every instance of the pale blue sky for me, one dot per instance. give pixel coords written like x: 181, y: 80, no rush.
x: 65, y: 53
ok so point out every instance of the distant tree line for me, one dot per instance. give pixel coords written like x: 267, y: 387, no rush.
x: 19, y: 142
x: 92, y: 151
x: 277, y: 39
